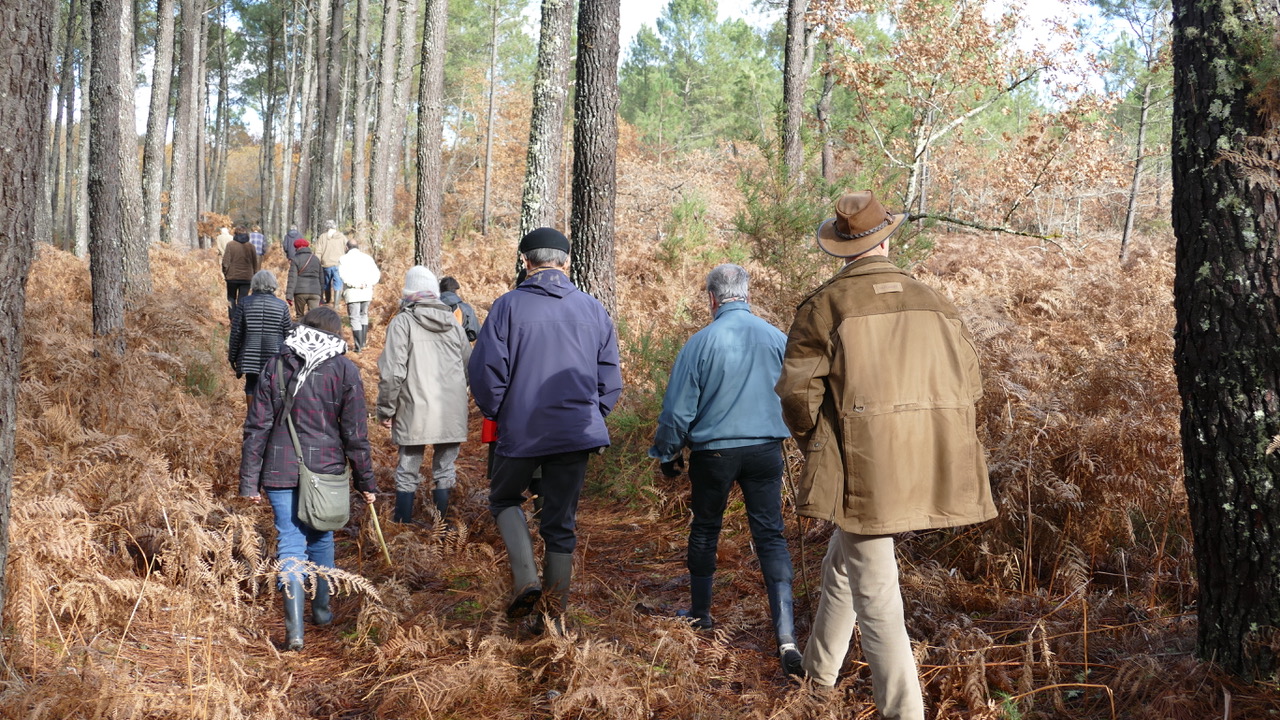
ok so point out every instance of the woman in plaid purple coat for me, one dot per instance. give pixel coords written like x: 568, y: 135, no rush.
x: 330, y: 418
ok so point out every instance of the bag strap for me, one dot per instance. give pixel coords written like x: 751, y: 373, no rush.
x: 288, y: 406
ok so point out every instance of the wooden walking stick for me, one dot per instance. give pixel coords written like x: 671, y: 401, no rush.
x: 381, y: 540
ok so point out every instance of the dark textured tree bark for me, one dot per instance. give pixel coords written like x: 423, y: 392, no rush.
x: 383, y: 153
x: 181, y: 227
x: 1226, y: 216
x: 157, y: 123
x: 794, y: 80
x: 427, y: 224
x: 24, y: 75
x: 112, y: 218
x: 323, y: 197
x: 546, y: 125
x: 360, y: 134
x: 595, y: 146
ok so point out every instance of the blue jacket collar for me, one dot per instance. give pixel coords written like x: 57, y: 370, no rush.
x: 730, y: 306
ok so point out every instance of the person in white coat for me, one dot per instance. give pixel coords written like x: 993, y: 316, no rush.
x: 422, y: 390
x: 359, y: 274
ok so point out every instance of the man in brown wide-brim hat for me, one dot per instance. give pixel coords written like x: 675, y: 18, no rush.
x: 878, y: 387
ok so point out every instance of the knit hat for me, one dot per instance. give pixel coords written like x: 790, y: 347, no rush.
x: 419, y: 279
x: 544, y: 238
x: 300, y: 243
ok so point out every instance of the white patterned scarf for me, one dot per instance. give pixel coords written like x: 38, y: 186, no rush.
x: 314, y: 347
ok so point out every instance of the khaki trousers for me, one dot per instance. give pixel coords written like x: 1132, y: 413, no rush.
x: 860, y: 583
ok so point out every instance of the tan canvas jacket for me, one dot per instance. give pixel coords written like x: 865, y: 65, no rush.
x: 878, y: 386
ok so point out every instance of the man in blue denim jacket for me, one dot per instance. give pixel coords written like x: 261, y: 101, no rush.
x: 720, y: 402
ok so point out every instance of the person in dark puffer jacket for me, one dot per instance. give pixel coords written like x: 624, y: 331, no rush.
x: 258, y: 326
x: 305, y: 277
x: 331, y: 420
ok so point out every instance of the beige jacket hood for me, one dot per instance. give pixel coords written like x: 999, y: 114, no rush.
x: 422, y: 376
x: 878, y: 386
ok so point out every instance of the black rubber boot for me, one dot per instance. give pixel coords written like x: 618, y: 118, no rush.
x: 781, y: 608
x: 320, y: 612
x: 294, y: 601
x: 699, y: 612
x: 440, y: 496
x: 404, y: 507
x: 524, y: 572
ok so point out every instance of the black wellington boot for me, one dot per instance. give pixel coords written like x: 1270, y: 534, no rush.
x: 699, y: 612
x: 440, y: 497
x: 557, y: 573
x: 294, y: 601
x: 320, y: 612
x: 404, y: 506
x: 781, y: 607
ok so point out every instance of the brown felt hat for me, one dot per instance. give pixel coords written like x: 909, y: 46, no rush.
x: 860, y: 224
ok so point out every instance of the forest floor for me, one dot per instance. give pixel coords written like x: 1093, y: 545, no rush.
x: 140, y: 586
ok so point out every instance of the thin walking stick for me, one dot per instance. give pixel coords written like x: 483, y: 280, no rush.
x: 381, y: 540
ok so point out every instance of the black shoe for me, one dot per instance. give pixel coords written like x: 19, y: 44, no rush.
x: 524, y: 602
x: 792, y: 662
x: 697, y: 622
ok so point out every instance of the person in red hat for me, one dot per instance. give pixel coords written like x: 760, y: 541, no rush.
x: 305, y: 278
x: 878, y: 387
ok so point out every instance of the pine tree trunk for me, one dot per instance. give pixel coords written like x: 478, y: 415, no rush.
x: 330, y: 95
x: 302, y: 185
x: 80, y: 224
x: 181, y: 227
x: 67, y: 223
x: 24, y: 74
x: 284, y: 212
x: 202, y: 127
x: 488, y: 128
x: 222, y: 121
x: 595, y: 144
x: 360, y: 134
x: 62, y: 121
x: 427, y: 223
x: 1139, y: 153
x: 794, y: 81
x: 1226, y: 216
x: 824, y: 121
x: 384, y: 152
x: 546, y: 126
x: 157, y: 123
x: 109, y: 211
x: 267, y: 153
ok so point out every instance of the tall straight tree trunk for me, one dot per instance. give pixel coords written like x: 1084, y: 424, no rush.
x: 383, y: 152
x: 111, y: 218
x: 488, y: 129
x: 202, y: 127
x: 181, y: 227
x: 794, y: 80
x: 824, y: 120
x: 1226, y: 217
x: 80, y: 222
x: 329, y: 39
x: 302, y: 186
x: 360, y: 134
x: 284, y: 211
x: 267, y: 154
x: 340, y: 199
x: 595, y: 145
x: 1139, y: 156
x: 61, y: 129
x: 24, y: 73
x: 157, y: 122
x: 546, y: 125
x: 222, y: 119
x: 427, y: 225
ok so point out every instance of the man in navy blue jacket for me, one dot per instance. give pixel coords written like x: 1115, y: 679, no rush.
x: 545, y: 367
x: 720, y: 402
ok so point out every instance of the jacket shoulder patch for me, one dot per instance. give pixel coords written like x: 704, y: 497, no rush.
x: 889, y: 287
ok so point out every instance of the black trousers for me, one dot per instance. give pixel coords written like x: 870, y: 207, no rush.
x: 561, y: 484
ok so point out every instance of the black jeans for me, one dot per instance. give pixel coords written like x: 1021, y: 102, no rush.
x: 561, y: 484
x: 236, y: 291
x: 757, y: 469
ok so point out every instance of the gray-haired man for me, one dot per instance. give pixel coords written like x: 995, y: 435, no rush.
x: 720, y: 402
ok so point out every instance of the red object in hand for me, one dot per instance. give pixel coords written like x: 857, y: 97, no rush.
x: 488, y: 430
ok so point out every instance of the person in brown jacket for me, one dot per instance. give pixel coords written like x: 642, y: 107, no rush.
x: 329, y: 248
x: 239, y: 263
x: 878, y: 387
